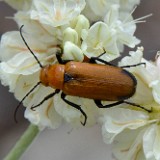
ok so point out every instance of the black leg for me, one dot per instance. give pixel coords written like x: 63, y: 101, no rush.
x: 60, y: 60
x: 45, y: 99
x: 75, y: 106
x: 102, y: 53
x: 137, y: 105
x: 100, y: 105
x: 94, y: 59
x: 58, y: 56
x: 134, y: 65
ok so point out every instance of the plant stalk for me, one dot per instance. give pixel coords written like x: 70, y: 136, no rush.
x: 23, y: 143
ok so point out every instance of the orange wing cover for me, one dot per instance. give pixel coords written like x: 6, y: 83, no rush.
x: 97, y: 81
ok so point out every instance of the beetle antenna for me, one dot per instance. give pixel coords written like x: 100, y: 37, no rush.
x: 41, y: 66
x: 15, y: 112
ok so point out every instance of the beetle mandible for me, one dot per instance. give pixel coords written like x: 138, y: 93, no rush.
x: 88, y: 80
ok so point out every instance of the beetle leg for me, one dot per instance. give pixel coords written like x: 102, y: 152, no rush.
x: 137, y: 105
x: 101, y: 54
x: 94, y: 59
x: 75, y: 106
x: 45, y: 99
x: 60, y: 60
x: 134, y: 65
x: 100, y: 105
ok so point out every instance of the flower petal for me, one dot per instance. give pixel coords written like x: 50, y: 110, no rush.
x: 100, y: 7
x: 56, y: 12
x: 156, y: 90
x: 44, y: 115
x: 128, y: 145
x: 115, y: 120
x: 151, y: 144
x: 8, y: 79
x: 74, y: 116
x: 11, y: 44
x: 47, y: 35
x: 24, y: 84
x: 22, y: 63
x: 72, y: 52
x: 100, y: 37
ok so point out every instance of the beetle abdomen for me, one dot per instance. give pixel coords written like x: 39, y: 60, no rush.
x: 96, y: 81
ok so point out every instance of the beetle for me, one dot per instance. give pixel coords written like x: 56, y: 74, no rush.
x: 103, y: 81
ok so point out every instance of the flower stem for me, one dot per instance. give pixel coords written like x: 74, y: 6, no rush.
x: 23, y: 143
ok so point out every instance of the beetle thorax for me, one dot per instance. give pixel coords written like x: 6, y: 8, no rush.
x: 53, y: 76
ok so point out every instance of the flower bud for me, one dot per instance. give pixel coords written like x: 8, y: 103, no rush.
x: 72, y: 52
x: 71, y: 35
x: 80, y: 23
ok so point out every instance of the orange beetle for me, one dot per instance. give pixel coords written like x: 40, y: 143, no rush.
x: 94, y: 81
x: 89, y: 80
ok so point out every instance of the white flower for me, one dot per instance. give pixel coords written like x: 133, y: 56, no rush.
x: 99, y: 38
x: 45, y: 115
x: 56, y: 12
x: 71, y: 35
x: 8, y: 80
x: 17, y: 58
x: 150, y: 74
x: 140, y: 144
x: 20, y: 71
x: 49, y: 27
x: 72, y: 115
x: 123, y: 24
x: 156, y: 92
x: 151, y: 140
x: 134, y: 131
x: 155, y: 83
x: 119, y: 23
x: 73, y: 52
x: 96, y: 10
x: 118, y: 119
x: 67, y: 26
x: 80, y: 24
x: 101, y: 7
x: 49, y: 36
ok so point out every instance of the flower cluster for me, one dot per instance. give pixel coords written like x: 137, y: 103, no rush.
x: 135, y: 132
x: 53, y: 25
x: 80, y: 29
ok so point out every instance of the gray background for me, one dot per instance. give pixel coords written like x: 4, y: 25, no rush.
x: 84, y: 143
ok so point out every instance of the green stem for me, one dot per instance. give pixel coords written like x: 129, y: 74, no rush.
x: 23, y: 143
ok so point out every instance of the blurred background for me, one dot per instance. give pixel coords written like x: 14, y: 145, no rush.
x: 59, y: 144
